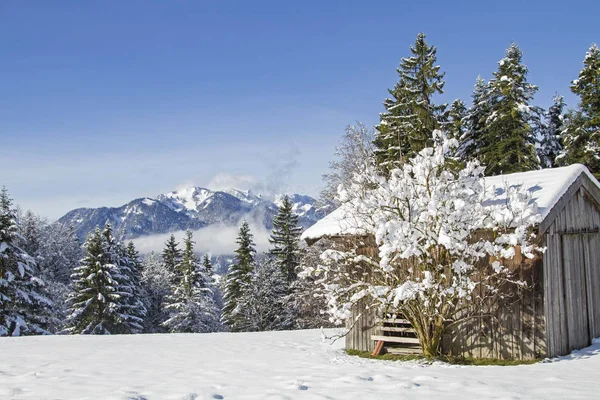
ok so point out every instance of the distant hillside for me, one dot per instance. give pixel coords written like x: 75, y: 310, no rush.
x: 189, y: 208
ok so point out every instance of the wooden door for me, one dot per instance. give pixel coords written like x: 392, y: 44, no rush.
x: 581, y: 287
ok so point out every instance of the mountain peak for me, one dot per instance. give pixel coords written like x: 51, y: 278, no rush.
x: 189, y: 208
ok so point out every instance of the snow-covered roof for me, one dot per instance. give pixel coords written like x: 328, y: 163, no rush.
x: 546, y: 185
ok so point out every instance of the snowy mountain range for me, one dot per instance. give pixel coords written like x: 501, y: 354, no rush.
x: 190, y: 208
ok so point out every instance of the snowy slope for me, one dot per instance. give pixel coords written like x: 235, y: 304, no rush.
x: 188, y: 208
x: 268, y: 365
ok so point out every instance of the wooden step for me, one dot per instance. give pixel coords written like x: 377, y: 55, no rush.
x: 397, y: 329
x: 396, y: 321
x: 395, y: 339
x: 403, y: 350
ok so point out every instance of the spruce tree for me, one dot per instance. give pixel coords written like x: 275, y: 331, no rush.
x: 550, y: 146
x: 95, y: 301
x: 454, y: 125
x: 24, y: 308
x: 60, y: 252
x: 30, y: 228
x: 206, y: 264
x: 172, y: 258
x: 509, y: 143
x: 156, y: 282
x: 475, y: 122
x: 132, y: 270
x: 285, y: 240
x: 131, y: 310
x: 581, y: 136
x: 191, y: 307
x: 411, y: 116
x: 238, y: 276
x: 265, y: 301
x: 104, y: 300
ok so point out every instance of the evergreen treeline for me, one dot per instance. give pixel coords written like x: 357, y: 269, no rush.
x: 51, y: 283
x: 501, y: 128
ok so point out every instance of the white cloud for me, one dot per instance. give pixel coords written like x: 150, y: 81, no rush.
x: 215, y: 239
x: 225, y: 180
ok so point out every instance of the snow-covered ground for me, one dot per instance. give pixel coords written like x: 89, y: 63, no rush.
x: 270, y: 365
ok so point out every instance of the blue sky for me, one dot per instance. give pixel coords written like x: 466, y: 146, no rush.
x: 102, y: 102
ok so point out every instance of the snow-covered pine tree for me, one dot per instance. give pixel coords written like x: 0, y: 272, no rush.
x: 285, y: 240
x: 130, y: 310
x: 102, y: 301
x: 172, y: 258
x: 454, y: 119
x: 581, y: 136
x: 238, y: 276
x: 549, y: 146
x: 95, y: 301
x: 207, y: 265
x: 191, y: 307
x: 411, y: 116
x: 264, y: 302
x: 30, y: 229
x: 24, y: 308
x: 475, y: 126
x: 131, y: 267
x: 60, y: 252
x: 509, y: 144
x: 156, y: 282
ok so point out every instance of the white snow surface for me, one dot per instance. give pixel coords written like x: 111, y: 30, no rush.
x: 546, y: 185
x: 266, y: 365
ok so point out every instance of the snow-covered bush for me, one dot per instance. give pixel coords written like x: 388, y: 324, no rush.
x: 429, y: 261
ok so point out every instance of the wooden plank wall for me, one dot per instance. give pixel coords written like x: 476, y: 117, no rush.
x: 365, y: 325
x: 572, y: 279
x: 512, y: 328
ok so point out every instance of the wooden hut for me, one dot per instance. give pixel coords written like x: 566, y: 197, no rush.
x: 559, y: 312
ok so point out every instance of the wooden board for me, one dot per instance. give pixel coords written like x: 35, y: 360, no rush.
x: 396, y: 339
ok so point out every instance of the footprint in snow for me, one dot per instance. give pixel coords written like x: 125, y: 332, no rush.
x: 408, y: 385
x: 298, y: 385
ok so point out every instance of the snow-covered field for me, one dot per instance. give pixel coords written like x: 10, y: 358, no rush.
x: 270, y: 365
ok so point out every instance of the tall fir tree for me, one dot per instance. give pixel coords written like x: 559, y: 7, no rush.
x: 407, y: 125
x: 172, y: 258
x: 238, y: 276
x: 509, y: 143
x: 285, y: 240
x: 550, y: 143
x: 131, y: 310
x: 60, y: 252
x: 191, y: 307
x: 95, y: 300
x: 581, y: 136
x: 24, y: 308
x: 30, y: 229
x: 454, y: 124
x: 207, y: 266
x: 132, y: 267
x: 102, y: 301
x: 265, y: 300
x: 156, y: 282
x: 475, y: 122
